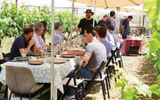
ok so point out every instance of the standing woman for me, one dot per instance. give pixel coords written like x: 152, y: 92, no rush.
x: 45, y: 25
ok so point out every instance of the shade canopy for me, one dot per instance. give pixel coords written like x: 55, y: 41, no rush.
x: 126, y: 9
x: 111, y: 3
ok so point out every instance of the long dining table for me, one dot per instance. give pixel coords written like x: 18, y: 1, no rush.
x: 42, y: 73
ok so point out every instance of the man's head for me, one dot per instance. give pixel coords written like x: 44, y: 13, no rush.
x: 89, y: 13
x: 89, y: 33
x: 113, y: 14
x: 96, y: 28
x: 129, y: 18
x: 58, y: 26
x: 45, y: 25
x: 105, y: 18
x: 28, y: 31
x: 102, y: 32
x: 39, y: 28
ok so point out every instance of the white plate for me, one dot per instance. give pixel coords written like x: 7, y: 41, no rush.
x: 77, y: 49
x: 58, y: 60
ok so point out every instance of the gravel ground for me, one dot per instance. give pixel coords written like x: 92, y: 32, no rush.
x: 135, y: 65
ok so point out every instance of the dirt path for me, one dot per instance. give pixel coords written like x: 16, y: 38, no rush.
x: 135, y: 65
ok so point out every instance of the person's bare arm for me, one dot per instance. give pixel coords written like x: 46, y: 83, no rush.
x: 85, y: 59
x: 48, y: 46
x: 31, y: 43
x: 38, y: 49
x: 78, y: 53
x: 34, y: 48
x: 122, y: 29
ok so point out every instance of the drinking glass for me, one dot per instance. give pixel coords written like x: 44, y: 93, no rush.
x: 42, y: 52
x: 23, y: 52
x: 44, y: 49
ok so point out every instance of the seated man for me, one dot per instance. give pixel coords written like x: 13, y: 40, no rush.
x: 116, y: 40
x: 38, y: 38
x: 101, y: 34
x: 109, y: 36
x: 23, y: 41
x: 95, y: 54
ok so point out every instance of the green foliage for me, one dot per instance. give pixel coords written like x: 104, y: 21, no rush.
x: 65, y: 18
x: 135, y: 92
x: 153, y: 12
x: 129, y: 94
x: 13, y: 19
x: 155, y: 89
x: 153, y: 53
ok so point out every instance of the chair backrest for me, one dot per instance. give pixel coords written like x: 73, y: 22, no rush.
x: 19, y: 79
x: 98, y: 72
x: 72, y: 76
x: 114, y: 56
x: 2, y: 61
x: 6, y: 56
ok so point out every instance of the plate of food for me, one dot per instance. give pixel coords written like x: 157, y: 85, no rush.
x: 21, y: 58
x: 58, y: 60
x: 34, y: 54
x: 67, y: 56
x: 35, y: 62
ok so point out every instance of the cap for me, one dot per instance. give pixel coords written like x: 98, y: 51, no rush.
x: 89, y: 11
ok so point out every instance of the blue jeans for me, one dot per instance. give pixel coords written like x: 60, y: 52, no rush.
x: 85, y: 73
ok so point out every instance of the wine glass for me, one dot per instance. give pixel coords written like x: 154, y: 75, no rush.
x: 44, y: 49
x: 23, y: 52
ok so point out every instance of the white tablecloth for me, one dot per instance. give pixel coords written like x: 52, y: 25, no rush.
x: 42, y: 73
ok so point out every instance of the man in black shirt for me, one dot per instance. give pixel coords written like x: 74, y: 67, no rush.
x: 85, y: 22
x: 23, y: 41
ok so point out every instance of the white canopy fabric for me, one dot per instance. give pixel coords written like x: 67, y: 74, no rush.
x: 111, y: 3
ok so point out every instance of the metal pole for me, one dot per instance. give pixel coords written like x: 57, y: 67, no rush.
x: 72, y: 18
x: 94, y: 12
x: 118, y: 20
x: 16, y: 3
x: 53, y: 88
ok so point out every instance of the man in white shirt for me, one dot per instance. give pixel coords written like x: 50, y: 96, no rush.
x: 38, y: 38
x: 109, y: 37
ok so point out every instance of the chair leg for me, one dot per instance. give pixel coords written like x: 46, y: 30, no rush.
x: 76, y: 94
x: 120, y: 65
x: 114, y: 72
x: 103, y: 90
x: 6, y: 92
x: 118, y: 76
x: 41, y: 94
x: 83, y: 92
x: 30, y: 97
x: 107, y: 85
x: 108, y: 79
x: 10, y: 96
x: 21, y: 98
